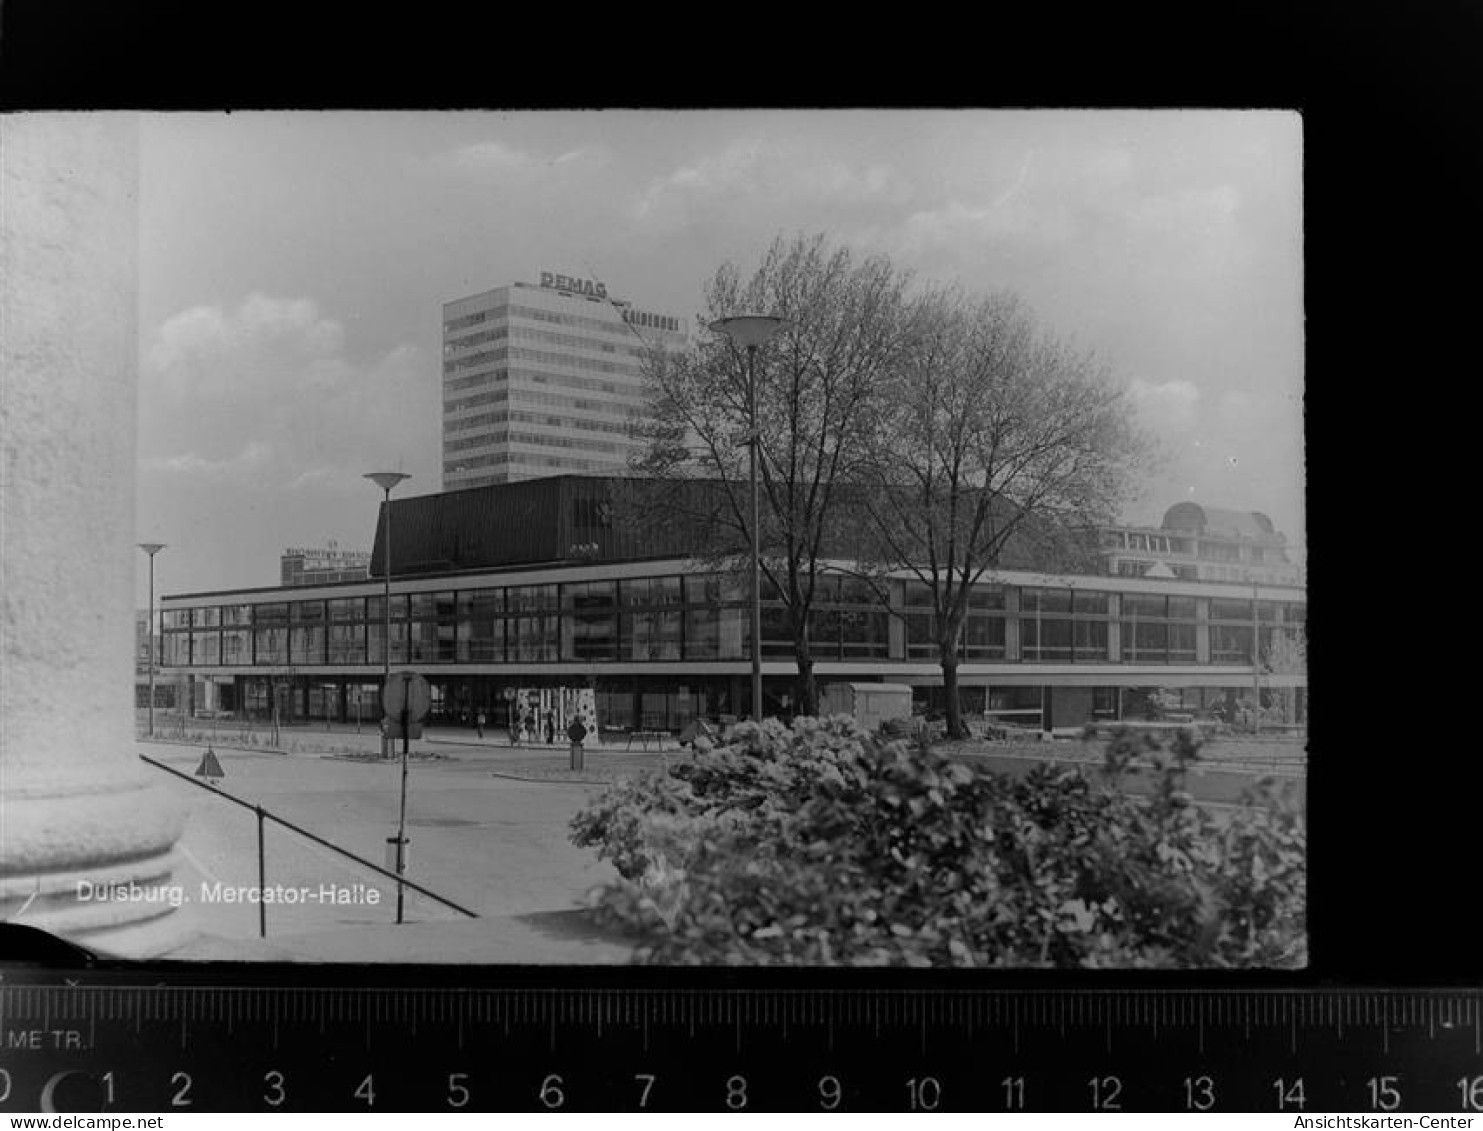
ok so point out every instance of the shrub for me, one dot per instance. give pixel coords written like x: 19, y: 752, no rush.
x: 820, y: 844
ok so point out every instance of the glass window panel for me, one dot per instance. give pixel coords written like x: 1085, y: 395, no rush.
x: 306, y: 645
x: 653, y: 635
x: 481, y: 640
x: 205, y: 647
x: 209, y: 617
x: 986, y: 597
x: 236, y: 614
x: 346, y: 609
x: 1182, y: 643
x: 1230, y: 644
x: 1222, y: 609
x: 347, y: 644
x: 176, y: 648
x: 532, y: 638
x: 1090, y: 638
x: 702, y: 589
x: 531, y: 598
x: 777, y: 636
x: 702, y: 633
x: 1144, y: 605
x: 270, y: 645
x: 1090, y: 603
x: 480, y: 604
x: 921, y: 636
x: 1182, y: 608
x: 236, y: 646
x: 1046, y: 639
x: 918, y: 595
x: 270, y: 612
x: 983, y: 638
x: 1014, y: 699
x: 858, y: 591
x: 308, y: 612
x: 823, y: 634
x: 1045, y: 600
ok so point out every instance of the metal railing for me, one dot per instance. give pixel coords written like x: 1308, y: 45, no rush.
x: 264, y: 815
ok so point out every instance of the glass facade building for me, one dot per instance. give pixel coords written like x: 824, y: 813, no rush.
x: 662, y: 642
x: 543, y: 379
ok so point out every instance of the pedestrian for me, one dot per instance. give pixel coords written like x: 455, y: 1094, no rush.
x: 550, y: 728
x: 479, y: 723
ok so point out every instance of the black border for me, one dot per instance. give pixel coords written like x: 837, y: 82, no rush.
x: 1390, y: 170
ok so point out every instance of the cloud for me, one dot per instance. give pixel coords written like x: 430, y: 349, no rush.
x: 253, y: 456
x: 764, y: 175
x: 257, y: 422
x: 1172, y: 406
x: 492, y: 156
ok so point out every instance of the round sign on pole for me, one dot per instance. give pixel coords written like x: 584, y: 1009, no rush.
x: 406, y: 690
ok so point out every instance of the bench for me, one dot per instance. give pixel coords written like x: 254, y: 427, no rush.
x: 644, y: 737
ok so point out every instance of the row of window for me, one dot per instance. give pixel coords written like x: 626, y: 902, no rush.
x: 514, y: 416
x: 710, y: 589
x: 702, y: 617
x: 691, y: 633
x: 458, y: 360
x: 534, y: 376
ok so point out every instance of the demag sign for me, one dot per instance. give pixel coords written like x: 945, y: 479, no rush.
x: 554, y: 282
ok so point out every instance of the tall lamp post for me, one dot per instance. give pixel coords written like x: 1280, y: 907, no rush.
x: 151, y: 548
x: 386, y: 480
x: 749, y: 332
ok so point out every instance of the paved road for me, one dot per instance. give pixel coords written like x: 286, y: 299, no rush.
x: 496, y: 846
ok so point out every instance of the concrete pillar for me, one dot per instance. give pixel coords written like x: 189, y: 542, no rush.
x: 80, y: 815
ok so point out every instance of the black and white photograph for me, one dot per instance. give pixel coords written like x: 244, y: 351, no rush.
x: 749, y: 538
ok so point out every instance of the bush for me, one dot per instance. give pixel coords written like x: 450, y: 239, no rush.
x: 821, y: 844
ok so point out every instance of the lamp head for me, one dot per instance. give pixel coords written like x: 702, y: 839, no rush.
x: 386, y: 480
x: 151, y: 548
x: 750, y: 330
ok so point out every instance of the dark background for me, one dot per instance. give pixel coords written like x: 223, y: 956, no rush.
x: 1388, y: 99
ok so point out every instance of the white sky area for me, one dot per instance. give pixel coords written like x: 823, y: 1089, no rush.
x: 294, y: 267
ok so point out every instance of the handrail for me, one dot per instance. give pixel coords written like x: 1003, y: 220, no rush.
x: 263, y: 813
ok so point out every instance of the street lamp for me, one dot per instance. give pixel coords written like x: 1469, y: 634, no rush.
x: 750, y: 331
x: 151, y: 548
x: 386, y: 480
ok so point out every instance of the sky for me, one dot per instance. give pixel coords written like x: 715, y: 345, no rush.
x: 293, y: 267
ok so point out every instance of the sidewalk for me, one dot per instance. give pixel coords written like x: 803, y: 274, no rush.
x: 343, y: 738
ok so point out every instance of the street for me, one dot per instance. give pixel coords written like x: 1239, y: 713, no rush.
x: 494, y: 845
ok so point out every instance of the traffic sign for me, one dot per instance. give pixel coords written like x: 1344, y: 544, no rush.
x: 406, y: 690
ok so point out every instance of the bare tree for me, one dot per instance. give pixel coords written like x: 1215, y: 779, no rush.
x: 997, y: 437
x: 819, y: 385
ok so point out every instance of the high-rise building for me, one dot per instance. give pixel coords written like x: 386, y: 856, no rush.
x: 544, y: 379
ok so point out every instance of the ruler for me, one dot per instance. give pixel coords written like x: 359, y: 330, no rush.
x: 112, y: 1043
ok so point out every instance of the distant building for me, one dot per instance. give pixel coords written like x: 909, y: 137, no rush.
x: 1199, y: 543
x: 544, y: 379
x: 303, y: 566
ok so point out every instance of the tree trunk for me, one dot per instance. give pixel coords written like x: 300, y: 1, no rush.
x: 955, y: 728
x: 808, y: 689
